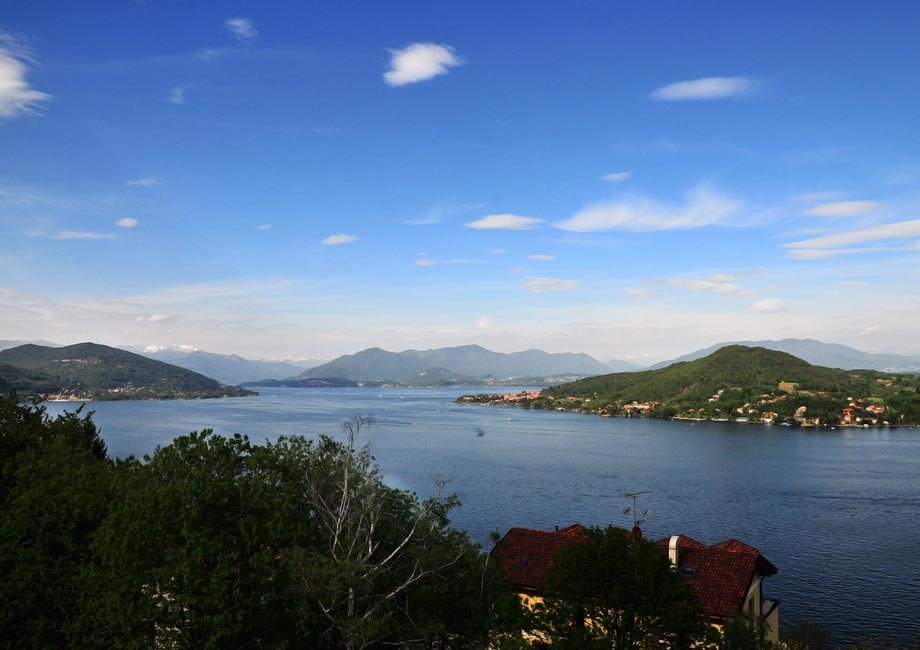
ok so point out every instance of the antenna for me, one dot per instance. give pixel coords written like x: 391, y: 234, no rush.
x: 638, y: 517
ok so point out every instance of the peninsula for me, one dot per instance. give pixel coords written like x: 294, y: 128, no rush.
x: 736, y: 383
x: 89, y: 371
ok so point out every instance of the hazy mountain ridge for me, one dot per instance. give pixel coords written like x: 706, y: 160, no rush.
x: 830, y: 355
x: 103, y: 372
x: 230, y: 369
x: 469, y: 361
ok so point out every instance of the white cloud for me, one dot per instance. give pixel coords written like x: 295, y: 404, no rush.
x: 79, y: 234
x: 539, y: 257
x: 242, y: 29
x: 264, y: 226
x: 209, y: 54
x: 898, y: 230
x: 719, y: 284
x: 638, y: 293
x: 425, y: 261
x: 143, y: 182
x: 419, y: 62
x: 17, y: 97
x: 335, y: 240
x: 484, y: 322
x: 176, y: 95
x: 498, y: 251
x: 153, y: 318
x: 504, y: 221
x: 844, y: 209
x: 768, y: 306
x: 819, y: 197
x: 704, y: 207
x: 544, y: 285
x: 615, y: 177
x: 127, y: 222
x: 707, y: 88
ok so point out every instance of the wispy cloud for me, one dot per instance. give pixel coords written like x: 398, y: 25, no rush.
x: 704, y: 89
x: 616, y: 177
x: 441, y: 212
x: 143, y: 182
x: 176, y: 95
x: 545, y: 285
x: 152, y: 318
x: 898, y: 230
x: 768, y: 306
x: 242, y: 29
x: 844, y: 209
x: 337, y: 240
x: 541, y: 257
x: 504, y: 221
x: 264, y: 226
x: 17, y: 97
x: 127, y: 222
x: 71, y: 234
x: 420, y: 62
x: 819, y: 197
x: 720, y: 284
x: 209, y: 54
x: 704, y: 207
x: 425, y: 262
x: 484, y: 322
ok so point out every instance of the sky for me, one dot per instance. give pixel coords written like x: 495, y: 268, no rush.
x: 304, y: 180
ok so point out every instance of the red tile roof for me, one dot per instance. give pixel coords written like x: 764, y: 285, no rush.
x: 527, y: 555
x: 720, y: 575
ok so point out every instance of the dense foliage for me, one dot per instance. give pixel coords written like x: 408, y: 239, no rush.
x: 217, y: 542
x: 100, y: 372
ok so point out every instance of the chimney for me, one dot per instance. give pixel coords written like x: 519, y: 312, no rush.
x: 636, y: 532
x: 672, y: 549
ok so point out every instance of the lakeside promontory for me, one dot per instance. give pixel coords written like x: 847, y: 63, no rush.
x: 736, y: 383
x: 89, y: 371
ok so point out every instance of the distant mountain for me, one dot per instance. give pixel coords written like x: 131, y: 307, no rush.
x: 831, y: 355
x: 468, y: 361
x: 229, y: 369
x: 102, y: 372
x: 314, y: 382
x: 6, y: 344
x: 617, y: 365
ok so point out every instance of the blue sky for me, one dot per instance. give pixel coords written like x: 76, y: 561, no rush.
x: 309, y: 179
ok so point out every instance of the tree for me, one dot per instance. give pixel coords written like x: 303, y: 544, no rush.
x: 193, y: 554
x: 744, y: 632
x: 55, y: 489
x: 378, y: 547
x: 614, y: 590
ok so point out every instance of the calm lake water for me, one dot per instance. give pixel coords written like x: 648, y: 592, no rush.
x: 838, y: 512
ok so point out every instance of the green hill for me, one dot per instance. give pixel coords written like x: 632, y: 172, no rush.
x: 27, y: 382
x: 738, y: 382
x: 102, y: 372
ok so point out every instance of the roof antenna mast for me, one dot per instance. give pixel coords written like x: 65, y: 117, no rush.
x: 638, y: 517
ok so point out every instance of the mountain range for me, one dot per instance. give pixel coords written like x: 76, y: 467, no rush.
x: 831, y: 355
x: 230, y: 369
x: 471, y: 362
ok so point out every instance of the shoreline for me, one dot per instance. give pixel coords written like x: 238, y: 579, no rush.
x: 680, y: 418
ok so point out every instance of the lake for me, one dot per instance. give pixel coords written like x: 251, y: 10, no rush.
x: 838, y: 512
